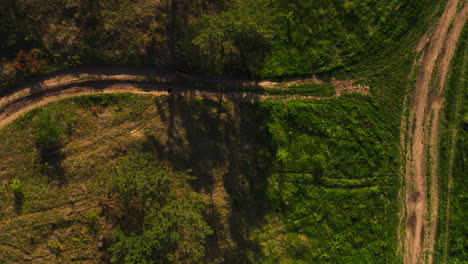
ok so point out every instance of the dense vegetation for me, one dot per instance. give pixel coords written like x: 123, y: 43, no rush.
x: 261, y: 38
x: 451, y: 244
x: 277, y: 38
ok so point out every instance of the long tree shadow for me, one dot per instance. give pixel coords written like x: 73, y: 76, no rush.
x: 223, y: 143
x: 50, y: 164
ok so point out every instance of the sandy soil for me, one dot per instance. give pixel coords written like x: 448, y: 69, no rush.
x: 438, y: 49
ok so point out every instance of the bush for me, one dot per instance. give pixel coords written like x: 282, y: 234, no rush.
x: 29, y: 62
x: 74, y: 61
x: 235, y: 41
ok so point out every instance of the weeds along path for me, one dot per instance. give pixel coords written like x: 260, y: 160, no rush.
x: 422, y: 133
x: 113, y: 80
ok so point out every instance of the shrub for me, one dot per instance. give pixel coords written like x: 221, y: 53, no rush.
x: 29, y: 62
x: 74, y: 61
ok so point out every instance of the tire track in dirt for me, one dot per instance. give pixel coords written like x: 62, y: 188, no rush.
x: 438, y: 51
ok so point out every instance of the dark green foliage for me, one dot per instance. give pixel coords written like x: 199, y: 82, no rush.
x: 7, y: 26
x: 160, y: 218
x: 72, y: 28
x: 99, y: 100
x: 259, y: 38
x: 301, y: 37
x: 120, y: 32
x: 235, y: 41
x: 322, y: 35
x: 458, y: 226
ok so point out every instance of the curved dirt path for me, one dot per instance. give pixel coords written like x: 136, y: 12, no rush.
x: 123, y: 80
x: 438, y: 48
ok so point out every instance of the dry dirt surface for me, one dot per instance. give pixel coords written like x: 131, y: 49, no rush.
x: 122, y: 80
x: 438, y: 48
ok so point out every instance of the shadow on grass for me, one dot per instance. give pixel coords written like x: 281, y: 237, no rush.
x: 224, y: 143
x: 50, y: 164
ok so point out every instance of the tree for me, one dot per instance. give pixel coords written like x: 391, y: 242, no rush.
x: 235, y: 41
x: 160, y: 217
x: 49, y: 130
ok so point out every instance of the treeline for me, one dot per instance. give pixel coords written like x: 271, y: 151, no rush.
x: 256, y: 38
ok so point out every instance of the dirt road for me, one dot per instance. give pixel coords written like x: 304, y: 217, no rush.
x: 438, y: 48
x: 113, y: 80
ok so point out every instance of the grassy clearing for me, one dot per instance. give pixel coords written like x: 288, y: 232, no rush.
x: 279, y: 181
x: 60, y: 213
x: 104, y: 131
